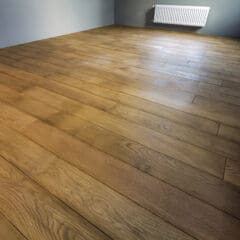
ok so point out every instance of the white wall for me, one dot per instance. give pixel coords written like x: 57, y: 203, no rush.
x: 29, y: 20
x: 224, y: 17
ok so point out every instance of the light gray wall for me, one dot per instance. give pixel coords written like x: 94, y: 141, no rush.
x: 224, y: 18
x: 28, y: 20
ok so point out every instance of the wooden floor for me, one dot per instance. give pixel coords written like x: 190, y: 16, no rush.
x: 120, y: 133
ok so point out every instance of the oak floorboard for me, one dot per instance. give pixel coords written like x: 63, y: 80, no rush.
x: 230, y: 133
x: 232, y: 172
x: 189, y: 135
x: 213, y: 163
x: 231, y: 85
x: 210, y: 189
x: 76, y: 59
x: 89, y: 54
x: 210, y: 43
x: 167, y: 96
x: 197, y: 225
x: 28, y: 104
x: 72, y: 56
x: 194, y: 121
x: 227, y: 113
x: 183, y: 102
x: 190, y: 120
x: 140, y: 50
x: 133, y: 62
x: 8, y: 231
x: 26, y: 204
x: 59, y: 88
x: 161, y: 82
x: 111, y: 212
x: 156, y: 123
x: 127, y: 133
x: 161, y: 125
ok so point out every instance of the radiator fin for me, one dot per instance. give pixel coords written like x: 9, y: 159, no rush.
x: 181, y: 15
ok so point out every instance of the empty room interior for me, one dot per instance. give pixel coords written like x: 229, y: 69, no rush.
x: 120, y: 120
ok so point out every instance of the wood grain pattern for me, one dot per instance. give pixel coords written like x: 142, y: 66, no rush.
x: 26, y: 204
x: 227, y: 113
x: 190, y: 154
x: 141, y: 104
x: 125, y: 133
x: 8, y: 231
x: 115, y: 175
x: 210, y: 189
x: 232, y: 172
x: 93, y: 200
x: 230, y: 133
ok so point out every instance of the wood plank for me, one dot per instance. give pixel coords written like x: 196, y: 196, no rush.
x: 199, y: 225
x: 189, y: 108
x: 230, y: 133
x: 136, y: 102
x: 232, y: 172
x: 75, y: 44
x: 166, y: 82
x: 135, y: 62
x: 195, y: 109
x: 10, y: 80
x: 166, y: 96
x: 11, y: 117
x: 187, y: 153
x: 8, y: 231
x: 170, y: 128
x: 26, y: 204
x: 100, y: 205
x: 186, y: 134
x: 210, y: 189
x: 219, y: 93
x: 26, y: 103
x: 226, y: 113
x: 139, y: 103
x: 29, y: 104
x: 163, y: 125
x: 31, y: 80
x: 209, y: 42
x: 137, y: 117
x: 143, y: 50
x: 231, y: 85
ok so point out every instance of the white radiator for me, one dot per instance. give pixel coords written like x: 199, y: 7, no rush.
x: 181, y: 15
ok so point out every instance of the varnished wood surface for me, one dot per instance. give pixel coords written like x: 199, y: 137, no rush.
x: 120, y: 133
x: 8, y: 231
